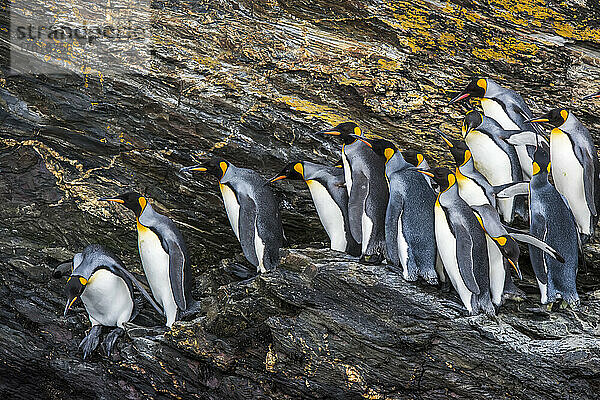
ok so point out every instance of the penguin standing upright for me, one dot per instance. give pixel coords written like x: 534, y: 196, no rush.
x: 252, y: 210
x: 492, y: 156
x: 164, y: 257
x: 507, y: 108
x: 364, y: 173
x: 462, y: 244
x: 551, y: 221
x: 575, y: 168
x: 409, y: 220
x: 326, y: 186
x: 106, y: 290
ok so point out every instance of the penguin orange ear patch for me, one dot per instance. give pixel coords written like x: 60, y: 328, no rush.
x: 388, y: 153
x: 536, y: 168
x: 142, y: 201
x: 357, y: 131
x: 451, y: 179
x: 419, y: 158
x: 223, y: 166
x: 299, y: 168
x: 83, y: 280
x: 564, y: 114
x: 548, y: 168
x: 501, y: 240
x: 482, y: 83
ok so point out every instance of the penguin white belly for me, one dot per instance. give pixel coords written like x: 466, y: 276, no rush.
x: 232, y: 207
x: 347, y: 171
x: 330, y: 215
x: 543, y: 292
x: 494, y: 164
x: 525, y: 162
x: 493, y: 109
x: 107, y: 299
x: 259, y: 248
x: 471, y: 192
x: 567, y: 173
x: 156, y: 268
x: 367, y: 228
x: 497, y: 271
x: 446, y: 243
x: 402, y: 248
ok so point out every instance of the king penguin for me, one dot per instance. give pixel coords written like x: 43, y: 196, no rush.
x: 409, y: 220
x: 462, y: 244
x: 364, y: 174
x: 492, y: 156
x: 326, y: 186
x: 417, y: 159
x: 575, y: 168
x: 252, y: 210
x: 552, y: 222
x: 164, y: 257
x: 105, y: 287
x: 507, y: 108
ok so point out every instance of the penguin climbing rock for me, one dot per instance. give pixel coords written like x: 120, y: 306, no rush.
x: 552, y: 222
x: 105, y: 287
x: 364, y: 174
x: 507, y: 108
x: 462, y: 244
x: 492, y: 156
x: 252, y: 210
x: 409, y: 220
x: 326, y: 186
x: 575, y: 168
x: 164, y: 257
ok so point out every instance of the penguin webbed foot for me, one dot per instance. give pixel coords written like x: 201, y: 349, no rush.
x: 372, y: 259
x: 90, y: 342
x: 193, y: 309
x: 111, y: 339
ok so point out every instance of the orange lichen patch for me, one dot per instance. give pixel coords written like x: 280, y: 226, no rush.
x: 322, y: 112
x: 524, y: 12
x: 507, y: 49
x: 578, y: 33
x: 389, y: 65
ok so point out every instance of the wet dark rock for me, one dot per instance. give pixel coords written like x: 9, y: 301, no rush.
x: 252, y: 82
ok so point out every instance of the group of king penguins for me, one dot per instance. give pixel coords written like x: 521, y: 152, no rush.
x: 382, y: 204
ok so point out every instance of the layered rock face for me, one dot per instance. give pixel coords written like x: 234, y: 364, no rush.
x: 252, y: 83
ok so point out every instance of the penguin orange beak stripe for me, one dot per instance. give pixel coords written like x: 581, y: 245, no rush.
x: 201, y: 169
x: 425, y: 172
x: 591, y: 96
x: 278, y: 178
x: 120, y: 201
x: 363, y: 140
x: 460, y: 97
x: 330, y: 132
x: 517, y: 270
x: 69, y: 304
x: 537, y: 120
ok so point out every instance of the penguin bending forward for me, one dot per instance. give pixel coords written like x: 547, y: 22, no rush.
x: 327, y: 189
x: 462, y: 244
x: 409, y: 220
x: 368, y: 195
x: 164, y: 257
x: 252, y: 210
x: 105, y: 287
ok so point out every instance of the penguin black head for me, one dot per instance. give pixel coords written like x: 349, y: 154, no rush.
x: 381, y: 147
x: 413, y: 156
x: 294, y: 170
x: 458, y: 148
x: 476, y: 88
x: 73, y: 289
x: 541, y: 161
x: 132, y: 200
x: 556, y: 117
x: 344, y: 131
x: 215, y: 166
x: 442, y: 176
x: 472, y: 121
x: 510, y: 250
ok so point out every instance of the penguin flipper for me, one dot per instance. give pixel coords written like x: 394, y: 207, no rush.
x: 393, y: 215
x: 525, y: 237
x: 538, y: 229
x: 356, y: 201
x: 246, y: 226
x: 177, y: 270
x: 465, y: 252
x: 116, y: 267
x: 511, y: 190
x: 520, y: 138
x: 587, y: 162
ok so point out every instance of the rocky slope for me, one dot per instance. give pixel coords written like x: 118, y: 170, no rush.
x: 252, y: 82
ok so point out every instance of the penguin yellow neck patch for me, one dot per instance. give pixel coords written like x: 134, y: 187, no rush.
x: 420, y: 158
x: 564, y: 114
x: 482, y: 83
x: 388, y: 153
x: 223, y: 166
x: 501, y: 240
x: 299, y: 168
x: 451, y: 180
x: 143, y: 202
x: 83, y: 280
x: 467, y: 157
x: 536, y: 168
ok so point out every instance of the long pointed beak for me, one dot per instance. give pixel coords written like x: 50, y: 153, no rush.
x: 537, y: 120
x: 445, y: 138
x: 120, y: 201
x: 277, y: 178
x: 69, y: 305
x: 591, y: 96
x: 63, y: 269
x: 198, y: 167
x: 362, y: 139
x: 459, y: 97
x: 516, y: 267
x: 424, y: 172
x: 330, y: 131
